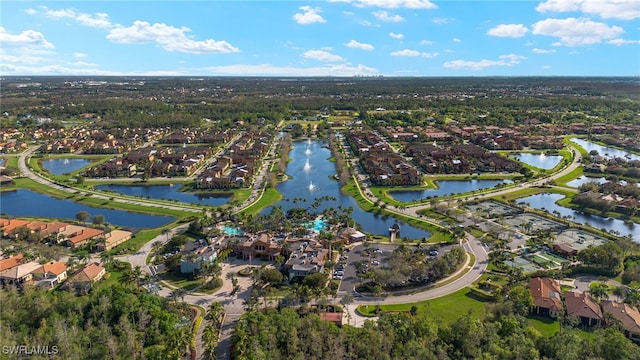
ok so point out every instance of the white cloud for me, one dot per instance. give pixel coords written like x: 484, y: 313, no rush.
x: 308, y: 16
x: 358, y: 45
x: 84, y: 63
x: 456, y: 40
x: 27, y: 39
x: 386, y: 17
x: 22, y: 59
x: 426, y: 42
x: 606, y: 9
x: 503, y: 60
x: 621, y: 42
x: 31, y: 11
x: 396, y: 36
x: 322, y: 55
x: 97, y: 20
x: 79, y: 55
x: 272, y: 70
x: 508, y: 30
x: 413, y: 53
x: 543, y: 51
x: 406, y: 52
x: 575, y: 32
x: 168, y: 37
x: 546, y: 67
x: 441, y: 21
x: 391, y: 4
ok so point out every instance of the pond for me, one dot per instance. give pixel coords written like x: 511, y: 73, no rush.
x: 168, y: 192
x: 27, y: 203
x: 605, y: 151
x: 585, y: 179
x: 311, y: 174
x: 64, y: 166
x: 445, y: 187
x: 547, y: 201
x: 541, y: 161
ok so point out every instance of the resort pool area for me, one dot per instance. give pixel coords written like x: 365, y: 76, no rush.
x: 232, y: 231
x: 317, y: 225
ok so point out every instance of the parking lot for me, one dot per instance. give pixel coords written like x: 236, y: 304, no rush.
x: 358, y: 254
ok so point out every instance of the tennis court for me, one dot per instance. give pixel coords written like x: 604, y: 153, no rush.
x: 579, y: 239
x: 493, y: 209
x: 531, y: 223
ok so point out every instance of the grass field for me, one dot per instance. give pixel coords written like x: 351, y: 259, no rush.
x: 447, y: 308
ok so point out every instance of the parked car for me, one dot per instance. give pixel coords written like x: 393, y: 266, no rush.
x: 375, y: 262
x: 433, y: 253
x: 337, y: 277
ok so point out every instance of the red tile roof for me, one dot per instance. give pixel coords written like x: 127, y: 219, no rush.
x: 545, y: 293
x: 10, y: 262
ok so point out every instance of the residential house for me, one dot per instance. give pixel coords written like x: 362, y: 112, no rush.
x: 582, y: 306
x: 628, y: 315
x: 19, y: 275
x: 50, y: 274
x: 84, y: 279
x: 9, y: 225
x: 113, y: 239
x: 546, y: 296
x: 192, y: 262
x: 83, y: 236
x: 10, y: 262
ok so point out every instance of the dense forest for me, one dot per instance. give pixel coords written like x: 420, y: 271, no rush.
x: 499, y: 334
x: 183, y: 102
x: 114, y: 322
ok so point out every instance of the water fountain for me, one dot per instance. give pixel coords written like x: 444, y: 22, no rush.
x: 311, y: 186
x: 66, y: 161
x: 307, y: 166
x: 308, y: 151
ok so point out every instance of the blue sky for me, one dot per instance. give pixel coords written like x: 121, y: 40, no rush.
x: 321, y: 38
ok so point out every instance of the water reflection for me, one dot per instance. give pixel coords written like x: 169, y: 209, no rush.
x: 446, y: 187
x: 64, y: 166
x: 304, y: 187
x: 27, y: 203
x: 547, y: 201
x: 541, y: 161
x: 167, y: 192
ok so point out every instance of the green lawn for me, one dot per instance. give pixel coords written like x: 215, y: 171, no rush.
x: 447, y: 308
x: 270, y: 197
x: 180, y: 282
x: 545, y: 325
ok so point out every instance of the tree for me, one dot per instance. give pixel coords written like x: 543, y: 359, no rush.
x: 216, y: 313
x: 598, y: 290
x: 520, y: 298
x: 82, y: 216
x: 98, y: 219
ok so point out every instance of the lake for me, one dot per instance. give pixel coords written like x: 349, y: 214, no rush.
x: 548, y: 201
x: 310, y: 174
x: 605, y: 151
x: 446, y: 187
x: 26, y: 203
x: 541, y: 161
x: 64, y: 166
x: 167, y: 192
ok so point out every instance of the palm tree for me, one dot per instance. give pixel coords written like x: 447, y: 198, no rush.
x: 178, y: 293
x: 216, y: 313
x: 210, y: 339
x: 128, y: 278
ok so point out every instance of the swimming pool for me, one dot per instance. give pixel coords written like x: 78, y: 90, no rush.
x: 229, y: 230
